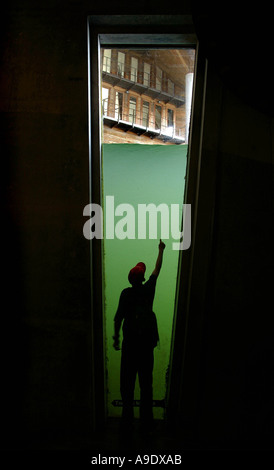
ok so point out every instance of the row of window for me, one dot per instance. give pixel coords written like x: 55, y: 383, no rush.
x: 147, y: 77
x: 151, y: 114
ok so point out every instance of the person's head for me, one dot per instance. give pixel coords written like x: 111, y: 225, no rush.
x: 137, y: 274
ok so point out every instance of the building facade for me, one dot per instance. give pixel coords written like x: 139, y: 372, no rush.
x: 146, y: 95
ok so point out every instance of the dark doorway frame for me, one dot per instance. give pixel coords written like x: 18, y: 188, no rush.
x: 152, y: 31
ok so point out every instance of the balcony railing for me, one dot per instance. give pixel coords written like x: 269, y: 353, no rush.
x: 142, y: 124
x: 120, y: 73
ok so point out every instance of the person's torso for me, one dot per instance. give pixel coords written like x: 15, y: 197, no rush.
x: 140, y: 325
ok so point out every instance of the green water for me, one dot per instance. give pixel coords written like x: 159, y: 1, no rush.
x: 141, y: 174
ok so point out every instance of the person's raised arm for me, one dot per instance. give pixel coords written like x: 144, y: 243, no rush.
x: 159, y: 260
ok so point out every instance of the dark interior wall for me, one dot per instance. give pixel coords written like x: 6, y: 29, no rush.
x: 45, y: 335
x: 236, y: 382
x: 236, y: 370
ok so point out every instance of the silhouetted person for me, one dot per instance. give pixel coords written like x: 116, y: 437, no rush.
x: 140, y: 336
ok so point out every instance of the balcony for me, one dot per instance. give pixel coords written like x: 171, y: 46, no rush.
x: 132, y: 122
x: 130, y: 79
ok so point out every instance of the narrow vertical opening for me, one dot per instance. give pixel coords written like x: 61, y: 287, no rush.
x: 146, y: 111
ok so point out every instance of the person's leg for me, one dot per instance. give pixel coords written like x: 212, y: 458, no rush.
x: 145, y: 372
x: 127, y: 384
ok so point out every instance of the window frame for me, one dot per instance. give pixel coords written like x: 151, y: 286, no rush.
x: 146, y: 80
x: 170, y: 86
x: 171, y: 112
x: 154, y: 31
x: 106, y: 67
x: 132, y: 99
x: 156, y: 108
x: 105, y: 102
x: 134, y: 70
x: 120, y: 110
x: 158, y: 78
x: 145, y: 105
x: 122, y: 74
